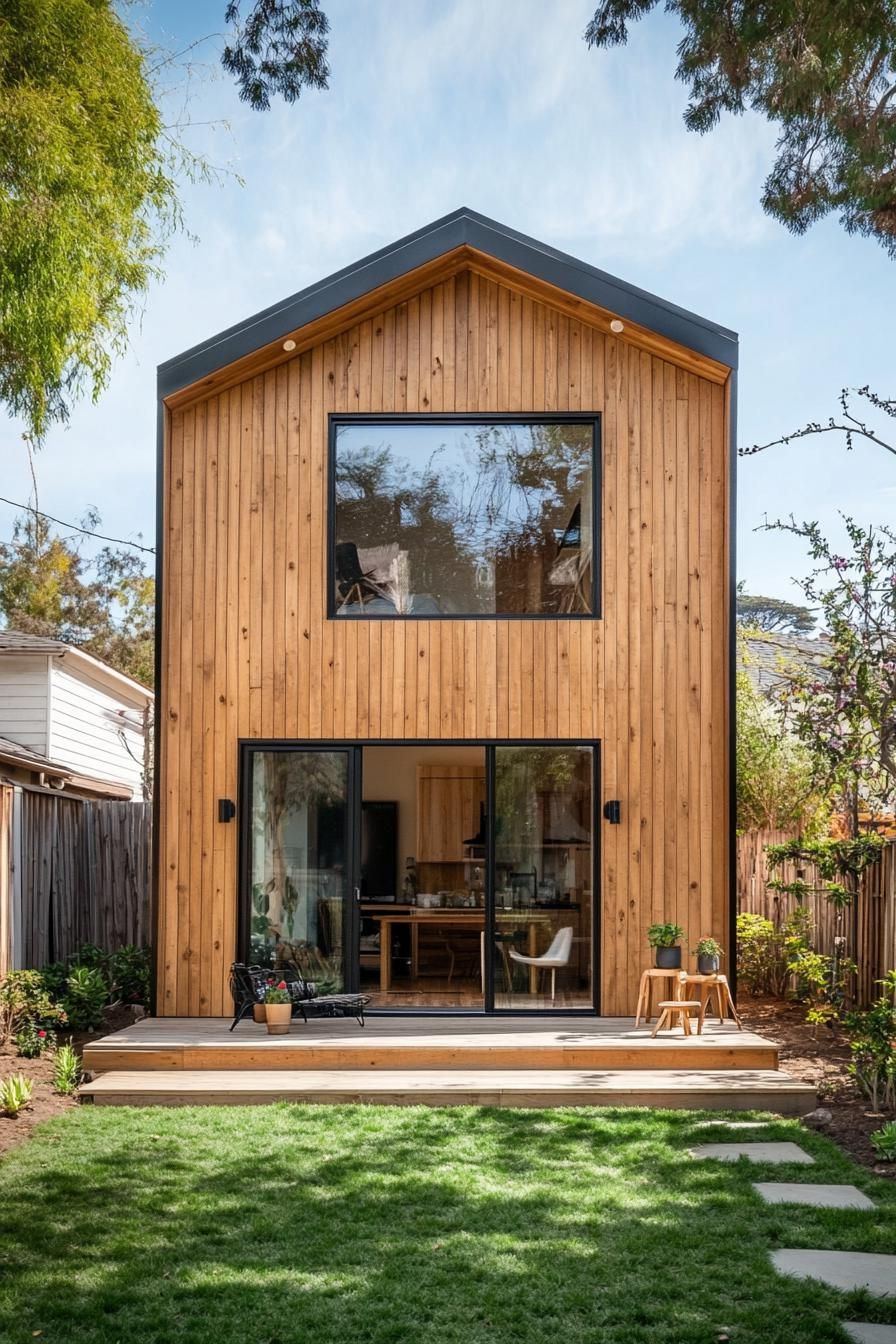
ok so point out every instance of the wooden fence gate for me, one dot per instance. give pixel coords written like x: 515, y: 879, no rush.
x: 75, y: 872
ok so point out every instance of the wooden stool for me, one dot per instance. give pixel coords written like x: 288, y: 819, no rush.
x: 677, y: 1007
x: 717, y: 984
x: 645, y: 990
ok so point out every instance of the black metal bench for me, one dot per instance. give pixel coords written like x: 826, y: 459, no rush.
x: 248, y: 985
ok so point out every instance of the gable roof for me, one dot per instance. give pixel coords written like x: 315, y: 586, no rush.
x: 766, y: 657
x: 464, y: 228
x: 17, y: 641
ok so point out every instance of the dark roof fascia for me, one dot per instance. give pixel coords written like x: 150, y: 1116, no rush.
x: 462, y: 228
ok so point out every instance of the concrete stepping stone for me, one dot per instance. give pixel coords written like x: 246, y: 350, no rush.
x: 820, y: 1196
x: 756, y: 1152
x: 847, y: 1270
x: 866, y: 1332
x: 733, y: 1124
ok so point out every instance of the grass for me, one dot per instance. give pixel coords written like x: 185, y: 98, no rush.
x: 363, y: 1225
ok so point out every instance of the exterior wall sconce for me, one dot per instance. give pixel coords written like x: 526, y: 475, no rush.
x: 226, y: 809
x: 613, y: 811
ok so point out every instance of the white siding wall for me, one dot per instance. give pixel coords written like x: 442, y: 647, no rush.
x: 86, y: 725
x: 23, y: 700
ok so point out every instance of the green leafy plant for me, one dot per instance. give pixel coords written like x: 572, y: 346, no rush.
x: 872, y: 1042
x: 277, y: 993
x: 764, y: 951
x: 24, y: 998
x: 709, y: 947
x: 32, y: 1040
x: 86, y: 993
x: 15, y: 1094
x: 66, y: 1070
x: 129, y: 972
x: 664, y: 935
x: 883, y: 1141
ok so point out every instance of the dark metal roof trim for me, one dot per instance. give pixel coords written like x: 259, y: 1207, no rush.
x: 462, y: 228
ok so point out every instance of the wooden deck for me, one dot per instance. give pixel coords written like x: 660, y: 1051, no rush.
x: 406, y: 1042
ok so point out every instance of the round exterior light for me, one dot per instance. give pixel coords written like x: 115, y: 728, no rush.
x: 617, y: 326
x: 289, y: 345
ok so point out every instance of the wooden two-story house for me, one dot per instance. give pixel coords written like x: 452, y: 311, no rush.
x: 445, y: 660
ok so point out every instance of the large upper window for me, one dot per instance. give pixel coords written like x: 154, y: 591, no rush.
x: 488, y: 516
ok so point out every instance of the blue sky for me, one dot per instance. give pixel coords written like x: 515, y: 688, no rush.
x: 494, y: 106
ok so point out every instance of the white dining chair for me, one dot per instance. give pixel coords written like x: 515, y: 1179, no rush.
x: 556, y: 955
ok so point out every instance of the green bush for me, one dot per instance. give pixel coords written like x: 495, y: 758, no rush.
x: 765, y: 953
x: 883, y: 1141
x: 86, y: 993
x: 32, y: 1040
x: 15, y: 1094
x: 24, y: 999
x: 872, y: 1040
x: 129, y: 973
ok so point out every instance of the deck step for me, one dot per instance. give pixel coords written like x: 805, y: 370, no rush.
x: 703, y: 1089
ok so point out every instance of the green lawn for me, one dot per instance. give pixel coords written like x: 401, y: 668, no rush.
x: 349, y: 1225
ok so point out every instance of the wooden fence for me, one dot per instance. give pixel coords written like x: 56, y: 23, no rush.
x: 78, y: 872
x: 870, y: 929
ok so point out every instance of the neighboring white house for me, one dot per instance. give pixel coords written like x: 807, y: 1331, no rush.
x: 69, y: 720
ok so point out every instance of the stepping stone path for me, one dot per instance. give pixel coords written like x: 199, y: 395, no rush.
x: 756, y: 1152
x: 733, y: 1124
x: 821, y: 1196
x: 846, y: 1270
x: 865, y: 1332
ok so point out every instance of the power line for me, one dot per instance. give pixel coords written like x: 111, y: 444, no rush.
x: 119, y: 541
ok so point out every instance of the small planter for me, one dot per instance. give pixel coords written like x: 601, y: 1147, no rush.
x: 278, y: 1017
x: 258, y: 1013
x: 668, y: 958
x: 707, y: 965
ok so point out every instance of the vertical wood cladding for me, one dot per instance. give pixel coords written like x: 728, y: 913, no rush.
x: 248, y: 652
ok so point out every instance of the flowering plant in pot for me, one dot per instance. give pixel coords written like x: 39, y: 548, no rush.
x: 709, y: 953
x: 278, y: 1009
x: 664, y: 938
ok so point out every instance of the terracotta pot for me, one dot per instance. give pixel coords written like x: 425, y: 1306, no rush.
x: 668, y: 958
x: 278, y: 1017
x: 258, y: 1012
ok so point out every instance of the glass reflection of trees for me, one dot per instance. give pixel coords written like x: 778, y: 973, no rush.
x: 468, y: 518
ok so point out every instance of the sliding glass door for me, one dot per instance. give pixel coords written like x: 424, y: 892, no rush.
x: 299, y: 863
x: 542, y: 867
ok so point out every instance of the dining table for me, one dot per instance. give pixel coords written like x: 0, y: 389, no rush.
x: 447, y: 917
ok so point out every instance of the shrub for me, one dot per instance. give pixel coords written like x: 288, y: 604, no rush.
x: 32, y: 1040
x: 873, y: 1035
x: 15, y: 1094
x: 24, y: 998
x: 883, y: 1141
x: 129, y: 975
x: 764, y: 952
x: 86, y: 993
x: 66, y: 1070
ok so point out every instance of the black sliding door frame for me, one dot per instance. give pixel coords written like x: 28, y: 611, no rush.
x: 354, y: 750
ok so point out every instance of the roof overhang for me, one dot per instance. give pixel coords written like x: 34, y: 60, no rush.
x: 460, y: 240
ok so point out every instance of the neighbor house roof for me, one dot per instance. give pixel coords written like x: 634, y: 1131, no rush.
x: 464, y: 228
x: 17, y: 642
x: 766, y: 656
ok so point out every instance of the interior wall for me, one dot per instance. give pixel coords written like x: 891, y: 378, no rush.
x: 389, y: 774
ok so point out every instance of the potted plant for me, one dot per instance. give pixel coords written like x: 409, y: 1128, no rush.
x: 709, y: 954
x: 665, y: 939
x: 278, y: 1009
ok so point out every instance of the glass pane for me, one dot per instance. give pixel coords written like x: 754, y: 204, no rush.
x: 298, y: 869
x: 543, y: 877
x: 463, y: 519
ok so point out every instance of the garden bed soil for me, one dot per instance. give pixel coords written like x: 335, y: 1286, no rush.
x: 45, y: 1103
x: 823, y: 1062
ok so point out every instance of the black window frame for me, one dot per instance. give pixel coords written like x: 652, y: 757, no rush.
x: 592, y: 418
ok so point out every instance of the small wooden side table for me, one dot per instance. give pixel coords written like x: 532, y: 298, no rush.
x: 645, y: 992
x: 706, y: 986
x: 672, y: 1008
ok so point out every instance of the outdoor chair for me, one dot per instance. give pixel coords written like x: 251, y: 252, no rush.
x: 248, y: 985
x: 356, y: 587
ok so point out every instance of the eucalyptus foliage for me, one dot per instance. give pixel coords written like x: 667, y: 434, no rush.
x: 87, y: 198
x: 824, y: 71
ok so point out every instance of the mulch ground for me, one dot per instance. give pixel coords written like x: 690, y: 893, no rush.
x: 45, y: 1103
x: 823, y: 1062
